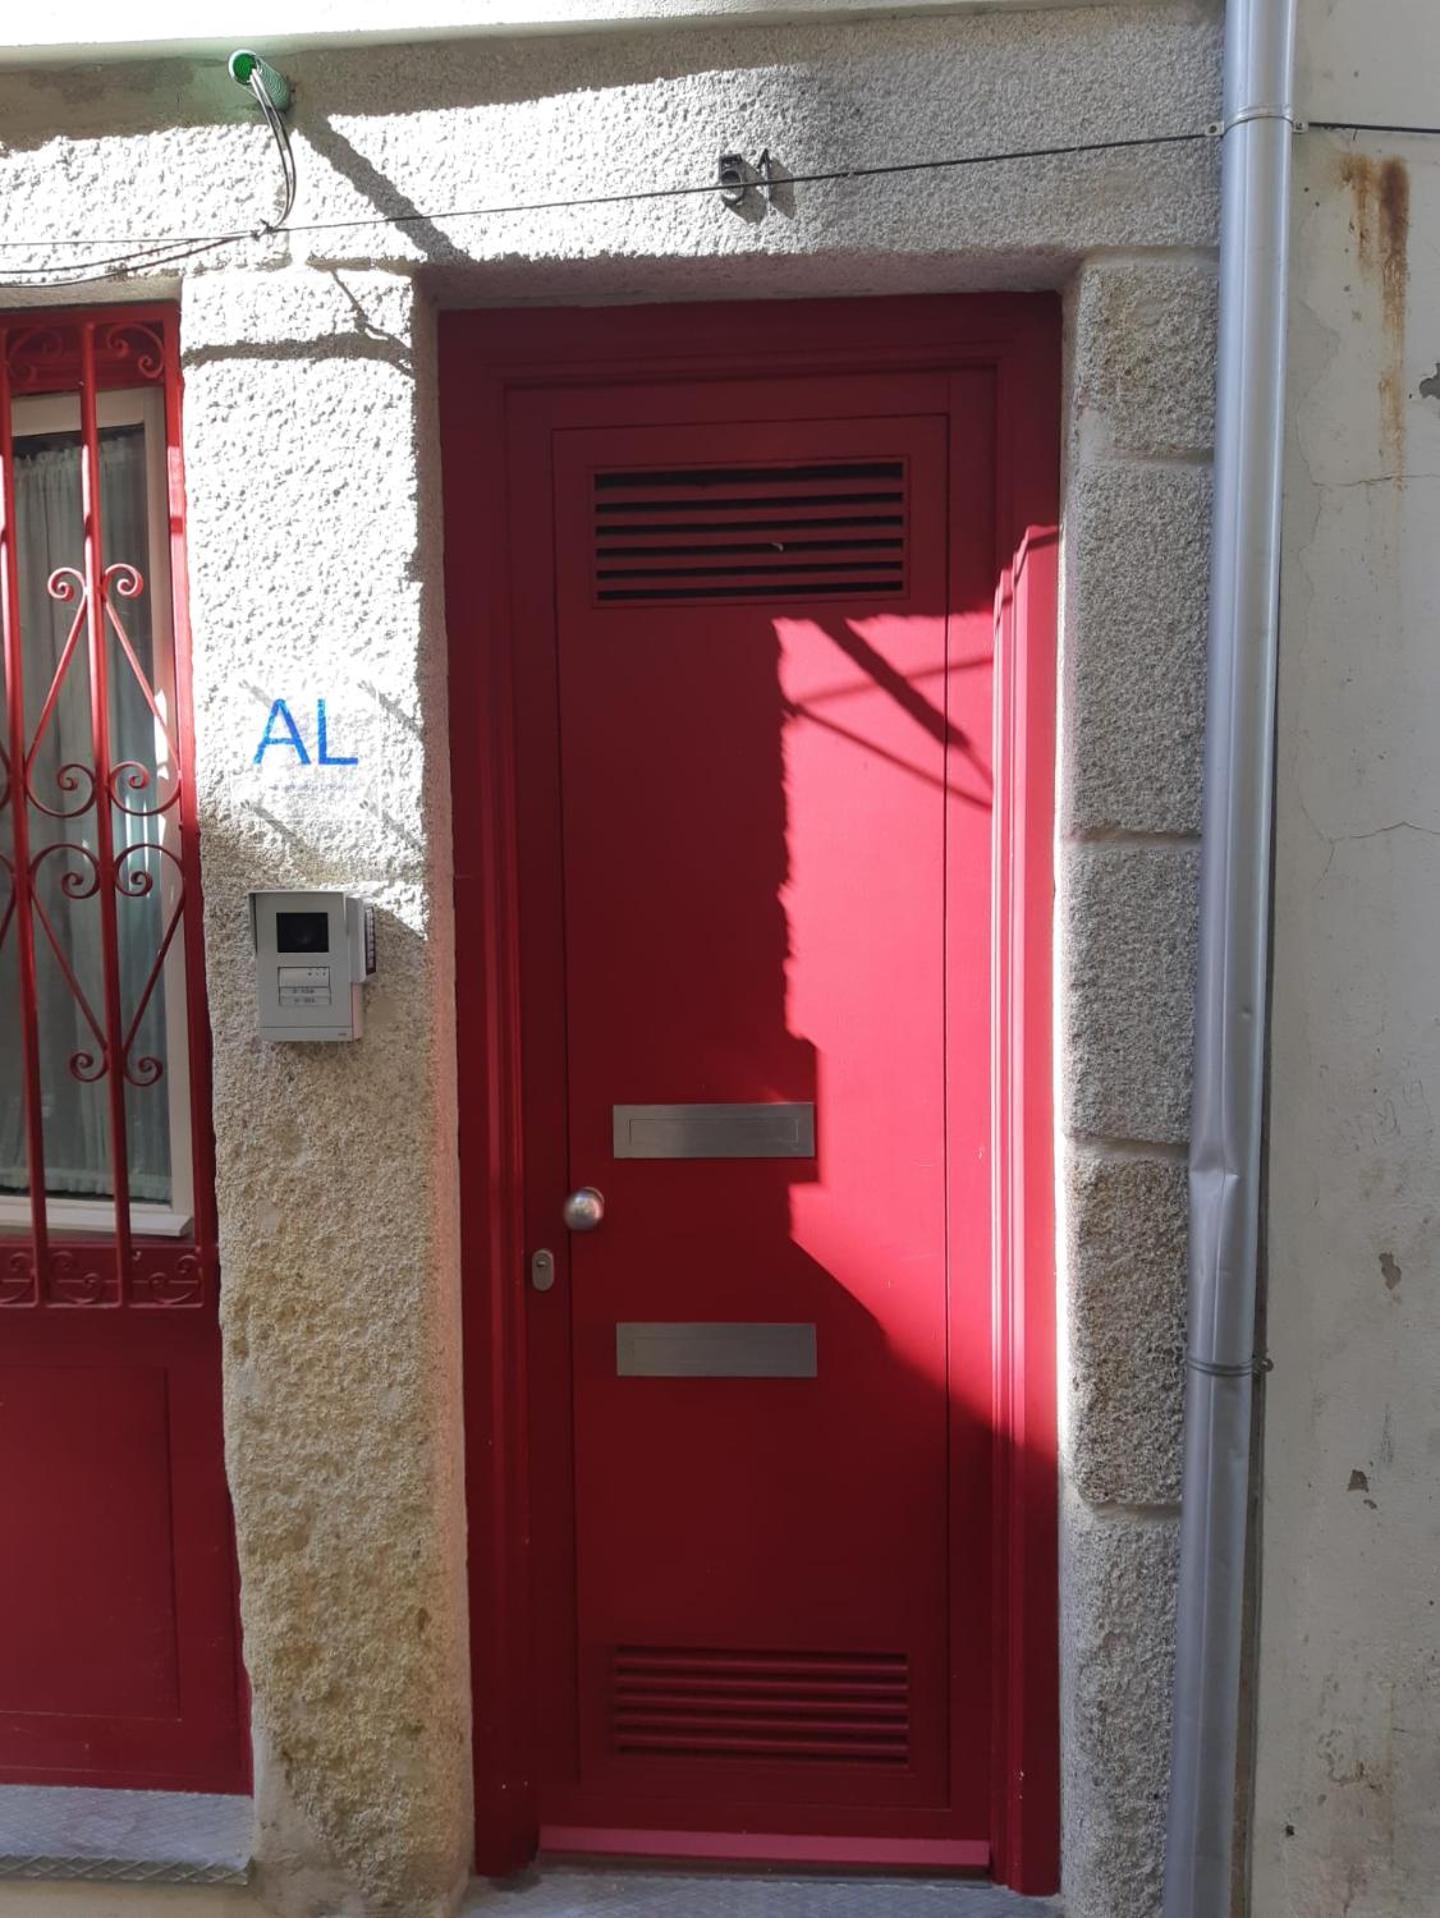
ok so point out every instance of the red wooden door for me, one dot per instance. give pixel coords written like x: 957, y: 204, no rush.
x: 119, y: 1656
x: 754, y: 732
x: 119, y: 1642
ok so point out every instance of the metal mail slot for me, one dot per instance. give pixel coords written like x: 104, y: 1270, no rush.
x: 769, y: 1131
x: 713, y: 1351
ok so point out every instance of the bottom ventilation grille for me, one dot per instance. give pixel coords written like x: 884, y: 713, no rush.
x: 806, y: 1707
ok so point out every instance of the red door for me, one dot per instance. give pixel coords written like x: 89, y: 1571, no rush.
x: 754, y: 642
x: 119, y: 1641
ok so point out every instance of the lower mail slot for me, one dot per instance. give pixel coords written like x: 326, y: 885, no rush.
x: 702, y: 1350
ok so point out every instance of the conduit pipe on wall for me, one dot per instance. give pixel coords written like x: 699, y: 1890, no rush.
x: 1230, y: 1037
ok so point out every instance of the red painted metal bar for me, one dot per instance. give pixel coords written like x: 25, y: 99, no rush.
x: 192, y: 929
x: 95, y: 625
x: 20, y: 835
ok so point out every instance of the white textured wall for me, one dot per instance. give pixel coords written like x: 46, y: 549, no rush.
x: 1348, y: 1784
x: 415, y: 130
x: 68, y: 28
x: 315, y: 570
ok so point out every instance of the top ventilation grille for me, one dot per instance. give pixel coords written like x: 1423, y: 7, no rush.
x: 811, y: 1707
x: 814, y: 531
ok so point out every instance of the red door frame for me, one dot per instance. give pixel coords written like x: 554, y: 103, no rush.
x: 487, y: 360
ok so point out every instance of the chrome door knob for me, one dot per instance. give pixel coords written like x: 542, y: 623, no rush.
x: 584, y: 1209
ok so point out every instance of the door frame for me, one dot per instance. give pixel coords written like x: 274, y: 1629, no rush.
x: 486, y: 359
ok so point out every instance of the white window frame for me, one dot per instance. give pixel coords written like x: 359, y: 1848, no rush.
x: 60, y: 413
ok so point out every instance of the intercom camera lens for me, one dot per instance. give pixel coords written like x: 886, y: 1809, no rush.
x: 302, y: 932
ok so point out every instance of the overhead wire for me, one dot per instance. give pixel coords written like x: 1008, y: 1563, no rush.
x: 97, y: 270
x: 171, y: 252
x: 1371, y: 126
x: 147, y: 252
x: 144, y: 252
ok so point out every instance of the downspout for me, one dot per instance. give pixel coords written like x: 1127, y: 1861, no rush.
x: 1230, y: 1036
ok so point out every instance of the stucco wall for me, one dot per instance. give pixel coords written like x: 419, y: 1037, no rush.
x: 315, y: 571
x: 310, y: 428
x: 1348, y: 1763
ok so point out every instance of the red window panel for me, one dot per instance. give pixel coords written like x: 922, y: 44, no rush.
x: 105, y: 1183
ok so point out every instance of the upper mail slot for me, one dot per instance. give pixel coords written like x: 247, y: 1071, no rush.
x: 768, y: 1131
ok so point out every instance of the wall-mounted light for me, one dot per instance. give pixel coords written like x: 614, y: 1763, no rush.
x: 258, y: 76
x: 270, y: 91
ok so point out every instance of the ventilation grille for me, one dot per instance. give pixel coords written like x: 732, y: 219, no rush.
x: 752, y: 533
x: 814, y: 1707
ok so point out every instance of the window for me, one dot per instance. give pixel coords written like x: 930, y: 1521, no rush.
x: 97, y: 962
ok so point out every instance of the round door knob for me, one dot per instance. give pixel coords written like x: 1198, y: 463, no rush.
x: 584, y: 1209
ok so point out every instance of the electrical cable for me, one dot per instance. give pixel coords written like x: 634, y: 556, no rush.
x: 166, y: 252
x: 1370, y: 126
x: 783, y: 180
x: 111, y: 269
x: 276, y: 123
x: 156, y: 254
x: 177, y: 247
x: 141, y: 246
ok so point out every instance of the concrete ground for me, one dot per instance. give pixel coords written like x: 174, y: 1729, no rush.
x: 139, y: 1837
x: 67, y: 1853
x: 569, y: 1894
x: 566, y: 1891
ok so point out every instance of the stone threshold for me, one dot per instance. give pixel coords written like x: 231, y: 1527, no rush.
x: 71, y: 1834
x: 580, y: 1891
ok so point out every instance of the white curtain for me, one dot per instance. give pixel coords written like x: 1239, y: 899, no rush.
x: 76, y: 1112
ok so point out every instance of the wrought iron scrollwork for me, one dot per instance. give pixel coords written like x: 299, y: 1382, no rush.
x: 178, y: 1281
x: 32, y: 352
x: 131, y: 341
x: 18, y: 1276
x: 48, y: 356
x: 80, y: 837
x: 139, y: 884
x: 82, y: 1276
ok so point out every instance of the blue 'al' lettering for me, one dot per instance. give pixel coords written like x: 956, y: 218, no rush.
x: 323, y: 754
x: 288, y: 736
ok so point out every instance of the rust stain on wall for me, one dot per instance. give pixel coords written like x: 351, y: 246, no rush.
x: 1380, y: 220
x: 1357, y: 172
x: 1394, y: 280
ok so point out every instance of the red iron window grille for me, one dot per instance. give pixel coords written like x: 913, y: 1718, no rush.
x: 105, y: 1181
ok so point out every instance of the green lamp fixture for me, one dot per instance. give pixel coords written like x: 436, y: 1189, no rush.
x: 258, y: 76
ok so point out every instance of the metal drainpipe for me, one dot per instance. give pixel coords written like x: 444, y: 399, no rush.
x: 1230, y: 1038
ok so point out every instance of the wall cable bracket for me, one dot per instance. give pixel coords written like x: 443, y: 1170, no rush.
x: 270, y: 91
x: 1217, y: 129
x: 737, y: 178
